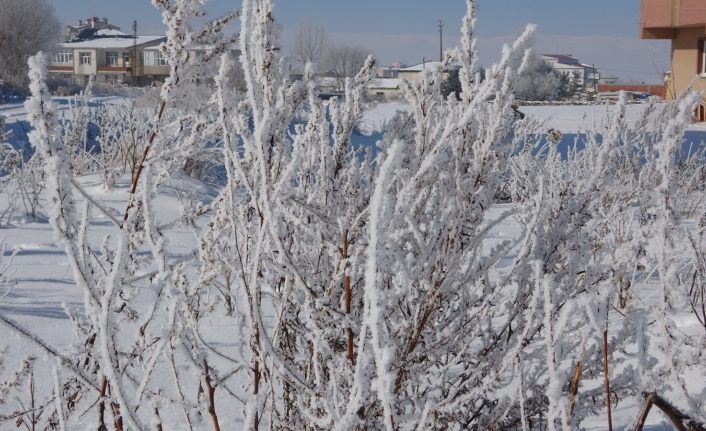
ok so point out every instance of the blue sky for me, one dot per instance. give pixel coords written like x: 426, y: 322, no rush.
x: 601, y: 32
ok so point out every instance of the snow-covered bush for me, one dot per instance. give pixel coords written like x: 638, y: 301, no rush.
x: 124, y: 131
x: 371, y: 291
x: 7, y: 161
x: 21, y: 183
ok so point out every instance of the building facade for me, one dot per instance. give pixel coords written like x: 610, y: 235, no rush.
x: 584, y: 75
x: 113, y: 60
x: 684, y: 23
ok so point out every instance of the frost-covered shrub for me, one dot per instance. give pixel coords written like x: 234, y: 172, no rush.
x: 21, y: 183
x: 363, y: 292
x: 124, y: 131
x: 7, y: 161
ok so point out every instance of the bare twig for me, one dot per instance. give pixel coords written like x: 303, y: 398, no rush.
x: 210, y: 391
x: 607, y: 380
x: 136, y: 175
x: 680, y: 421
x: 575, y: 387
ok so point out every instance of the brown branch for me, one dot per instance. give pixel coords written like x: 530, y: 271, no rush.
x: 347, y: 296
x: 101, y: 405
x: 607, y: 380
x: 575, y: 387
x: 680, y: 421
x: 136, y: 175
x: 426, y: 315
x: 210, y: 392
x: 117, y: 417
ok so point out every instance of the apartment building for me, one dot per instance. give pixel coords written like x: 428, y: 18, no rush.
x: 587, y: 76
x: 684, y: 23
x: 115, y: 60
x: 96, y: 47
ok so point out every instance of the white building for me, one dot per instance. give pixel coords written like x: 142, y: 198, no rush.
x: 113, y: 60
x: 567, y: 65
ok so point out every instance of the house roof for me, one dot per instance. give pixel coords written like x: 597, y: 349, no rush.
x: 563, y: 58
x: 191, y: 47
x: 429, y: 65
x: 112, y: 42
x: 384, y: 83
x: 110, y: 32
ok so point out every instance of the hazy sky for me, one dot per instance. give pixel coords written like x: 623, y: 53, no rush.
x: 600, y: 32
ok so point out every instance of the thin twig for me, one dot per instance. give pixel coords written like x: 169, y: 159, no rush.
x: 210, y: 391
x: 607, y: 380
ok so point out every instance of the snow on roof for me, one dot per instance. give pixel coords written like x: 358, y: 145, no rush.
x: 384, y: 83
x: 110, y: 32
x: 429, y: 65
x: 562, y: 66
x: 191, y: 47
x: 562, y: 58
x: 108, y: 42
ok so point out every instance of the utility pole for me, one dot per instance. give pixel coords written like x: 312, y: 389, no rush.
x: 441, y: 40
x: 133, y: 63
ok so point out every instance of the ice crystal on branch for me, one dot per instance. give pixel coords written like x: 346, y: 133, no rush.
x: 452, y: 278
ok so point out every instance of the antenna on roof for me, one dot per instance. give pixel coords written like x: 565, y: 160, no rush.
x: 441, y: 41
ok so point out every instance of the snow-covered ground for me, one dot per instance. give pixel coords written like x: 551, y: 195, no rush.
x: 17, y: 112
x: 45, y: 289
x: 564, y: 118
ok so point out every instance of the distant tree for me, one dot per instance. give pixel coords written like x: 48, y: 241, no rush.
x: 26, y: 27
x: 575, y: 85
x: 343, y: 62
x: 565, y: 90
x: 452, y: 84
x: 310, y: 43
x: 540, y: 82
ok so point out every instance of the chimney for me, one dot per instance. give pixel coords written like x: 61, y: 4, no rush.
x: 93, y: 22
x: 80, y: 22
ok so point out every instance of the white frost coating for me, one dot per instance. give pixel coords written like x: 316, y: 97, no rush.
x: 57, y: 398
x: 373, y: 298
x: 450, y: 277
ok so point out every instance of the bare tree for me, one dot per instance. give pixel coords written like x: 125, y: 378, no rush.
x: 26, y: 26
x: 344, y: 61
x: 310, y: 43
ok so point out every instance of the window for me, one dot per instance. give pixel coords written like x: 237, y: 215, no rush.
x: 112, y: 79
x: 64, y: 57
x: 701, y: 64
x: 111, y: 58
x: 153, y: 58
x: 700, y: 113
x: 126, y: 59
x: 85, y: 57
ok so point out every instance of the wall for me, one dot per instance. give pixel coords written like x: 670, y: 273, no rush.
x: 84, y: 69
x: 685, y: 57
x: 387, y: 93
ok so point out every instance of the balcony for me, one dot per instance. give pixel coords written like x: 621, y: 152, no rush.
x: 113, y: 69
x: 660, y: 18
